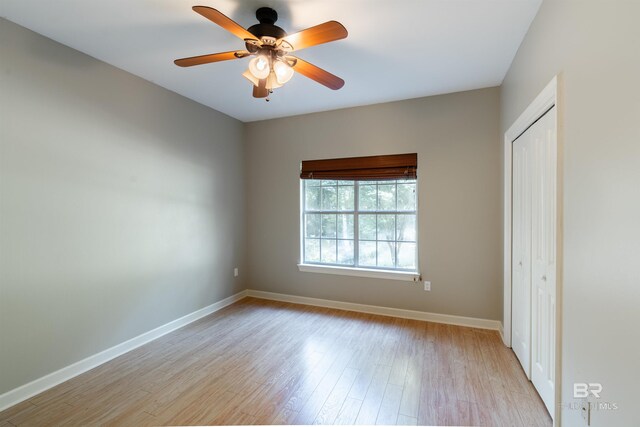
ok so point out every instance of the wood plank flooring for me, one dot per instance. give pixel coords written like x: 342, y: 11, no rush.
x: 265, y: 362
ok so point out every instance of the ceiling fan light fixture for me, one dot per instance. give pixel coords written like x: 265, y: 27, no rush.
x: 283, y: 72
x: 271, y: 80
x: 259, y: 67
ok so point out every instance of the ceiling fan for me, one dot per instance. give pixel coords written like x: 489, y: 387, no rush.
x: 272, y: 64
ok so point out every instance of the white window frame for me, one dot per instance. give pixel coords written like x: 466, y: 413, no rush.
x: 375, y: 272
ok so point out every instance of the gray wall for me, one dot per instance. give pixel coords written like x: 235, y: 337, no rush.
x: 595, y: 46
x: 456, y: 138
x: 122, y: 206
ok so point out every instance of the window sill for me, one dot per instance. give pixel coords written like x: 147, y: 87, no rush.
x: 361, y: 272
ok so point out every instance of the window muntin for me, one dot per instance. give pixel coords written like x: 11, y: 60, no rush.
x: 361, y: 224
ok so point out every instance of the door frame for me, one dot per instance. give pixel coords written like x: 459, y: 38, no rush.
x: 540, y: 105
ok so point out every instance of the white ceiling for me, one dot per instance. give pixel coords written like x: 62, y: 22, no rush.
x: 395, y: 49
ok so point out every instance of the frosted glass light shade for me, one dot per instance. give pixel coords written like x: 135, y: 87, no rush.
x: 271, y: 83
x: 259, y: 67
x: 282, y: 71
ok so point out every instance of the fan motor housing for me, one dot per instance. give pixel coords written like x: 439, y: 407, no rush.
x: 267, y: 18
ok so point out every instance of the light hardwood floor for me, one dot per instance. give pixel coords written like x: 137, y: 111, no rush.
x: 265, y: 362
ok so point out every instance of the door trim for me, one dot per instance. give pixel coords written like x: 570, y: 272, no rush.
x: 540, y: 105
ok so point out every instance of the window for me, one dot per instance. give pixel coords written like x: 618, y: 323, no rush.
x: 363, y: 224
x: 360, y: 212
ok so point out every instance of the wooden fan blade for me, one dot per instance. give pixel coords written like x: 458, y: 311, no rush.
x: 318, y: 74
x: 261, y: 90
x: 214, y: 57
x: 323, y: 33
x: 224, y: 21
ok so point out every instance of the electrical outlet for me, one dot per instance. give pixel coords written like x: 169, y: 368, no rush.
x: 585, y: 410
x: 235, y: 272
x: 427, y: 286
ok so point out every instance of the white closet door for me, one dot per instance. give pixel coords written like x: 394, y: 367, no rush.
x: 543, y: 268
x: 521, y: 252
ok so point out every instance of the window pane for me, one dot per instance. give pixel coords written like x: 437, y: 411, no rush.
x: 329, y: 198
x: 345, y: 252
x: 386, y: 236
x: 367, y: 226
x: 367, y: 197
x: 329, y: 226
x: 386, y: 254
x: 345, y: 198
x: 406, y: 228
x: 406, y: 255
x: 312, y: 250
x: 386, y: 227
x: 406, y: 196
x: 387, y: 197
x: 312, y: 227
x: 312, y: 198
x: 367, y: 254
x: 328, y: 253
x: 345, y: 226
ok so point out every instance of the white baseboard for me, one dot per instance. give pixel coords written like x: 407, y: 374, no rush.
x: 383, y: 311
x: 28, y: 390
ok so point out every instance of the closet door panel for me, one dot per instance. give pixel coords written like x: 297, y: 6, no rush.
x: 521, y: 252
x: 543, y: 269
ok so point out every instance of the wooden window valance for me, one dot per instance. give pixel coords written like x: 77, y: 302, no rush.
x: 396, y: 166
